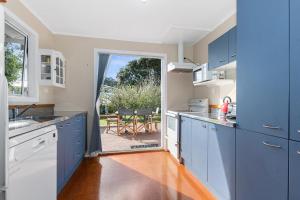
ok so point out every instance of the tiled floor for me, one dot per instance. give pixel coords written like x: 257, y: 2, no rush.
x: 140, y: 176
x: 111, y: 141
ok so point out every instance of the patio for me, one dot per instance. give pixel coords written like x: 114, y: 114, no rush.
x: 111, y: 141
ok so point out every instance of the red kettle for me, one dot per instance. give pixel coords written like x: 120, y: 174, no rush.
x: 226, y: 101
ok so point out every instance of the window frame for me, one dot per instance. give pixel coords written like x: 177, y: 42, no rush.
x: 32, y: 62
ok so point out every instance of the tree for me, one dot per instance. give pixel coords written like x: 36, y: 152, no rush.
x: 109, y: 81
x: 137, y: 71
x: 13, y: 65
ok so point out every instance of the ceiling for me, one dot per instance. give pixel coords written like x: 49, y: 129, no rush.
x: 155, y: 21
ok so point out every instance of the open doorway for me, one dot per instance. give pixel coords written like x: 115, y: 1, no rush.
x: 131, y: 103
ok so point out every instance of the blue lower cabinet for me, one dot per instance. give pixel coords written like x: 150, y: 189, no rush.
x: 221, y: 161
x: 60, y: 157
x: 261, y: 166
x: 70, y: 148
x: 294, y: 171
x: 199, y: 150
x: 186, y: 141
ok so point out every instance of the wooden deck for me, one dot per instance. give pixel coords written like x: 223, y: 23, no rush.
x: 112, y: 142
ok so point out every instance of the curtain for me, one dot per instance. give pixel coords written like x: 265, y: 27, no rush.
x: 95, y: 143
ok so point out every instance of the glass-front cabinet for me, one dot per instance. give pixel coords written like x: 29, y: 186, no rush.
x: 52, y: 68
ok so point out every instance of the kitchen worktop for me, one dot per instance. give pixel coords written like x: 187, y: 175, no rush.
x: 208, y: 117
x: 19, y: 127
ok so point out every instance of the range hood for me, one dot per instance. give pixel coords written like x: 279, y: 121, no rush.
x: 180, y: 66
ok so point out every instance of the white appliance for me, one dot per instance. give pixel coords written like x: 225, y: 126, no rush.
x: 173, y: 123
x: 180, y: 66
x: 3, y: 115
x: 201, y: 74
x: 32, y: 165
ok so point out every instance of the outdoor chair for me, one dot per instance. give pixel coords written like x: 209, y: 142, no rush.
x: 147, y: 120
x: 125, y: 120
x: 111, y: 120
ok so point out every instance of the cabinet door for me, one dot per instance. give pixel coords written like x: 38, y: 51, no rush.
x: 186, y: 141
x: 69, y: 149
x: 295, y: 71
x: 294, y: 171
x: 221, y: 161
x: 218, y: 52
x: 262, y: 166
x: 232, y: 44
x: 60, y: 156
x: 263, y: 66
x: 199, y: 150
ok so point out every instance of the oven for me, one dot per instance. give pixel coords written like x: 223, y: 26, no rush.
x: 173, y: 133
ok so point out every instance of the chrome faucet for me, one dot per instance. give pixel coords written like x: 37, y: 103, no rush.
x: 16, y: 110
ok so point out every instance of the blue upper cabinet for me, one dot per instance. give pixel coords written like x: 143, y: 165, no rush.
x: 294, y: 175
x: 261, y: 166
x: 221, y: 161
x: 294, y: 70
x: 199, y: 150
x: 186, y: 141
x: 218, y: 52
x: 263, y: 66
x: 232, y: 52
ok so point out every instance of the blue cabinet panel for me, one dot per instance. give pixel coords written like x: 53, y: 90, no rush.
x: 261, y: 166
x: 263, y: 66
x: 232, y: 52
x: 199, y: 150
x: 70, y: 148
x: 218, y: 52
x: 186, y: 141
x: 221, y: 161
x: 294, y: 70
x: 294, y: 171
x: 60, y: 156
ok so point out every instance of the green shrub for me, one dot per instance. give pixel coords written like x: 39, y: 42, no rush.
x: 145, y: 95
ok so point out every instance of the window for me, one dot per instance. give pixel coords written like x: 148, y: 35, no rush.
x: 21, y: 60
x: 16, y: 57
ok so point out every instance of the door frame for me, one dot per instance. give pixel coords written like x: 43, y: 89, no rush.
x: 164, y: 96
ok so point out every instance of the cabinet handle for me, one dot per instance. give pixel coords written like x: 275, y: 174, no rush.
x: 234, y: 55
x: 271, y: 145
x: 298, y: 152
x: 271, y: 127
x: 221, y: 61
x: 298, y: 131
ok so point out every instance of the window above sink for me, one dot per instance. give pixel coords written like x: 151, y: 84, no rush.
x: 21, y: 60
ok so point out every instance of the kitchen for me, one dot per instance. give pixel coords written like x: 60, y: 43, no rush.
x: 230, y: 123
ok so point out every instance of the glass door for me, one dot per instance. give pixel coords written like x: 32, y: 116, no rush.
x: 46, y: 67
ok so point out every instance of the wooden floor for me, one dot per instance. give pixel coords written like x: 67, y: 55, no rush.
x: 140, y: 176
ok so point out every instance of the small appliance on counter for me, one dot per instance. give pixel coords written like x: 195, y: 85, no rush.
x: 228, y: 109
x: 173, y: 123
x: 231, y: 111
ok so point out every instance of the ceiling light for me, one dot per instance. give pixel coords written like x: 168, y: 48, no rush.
x: 144, y: 1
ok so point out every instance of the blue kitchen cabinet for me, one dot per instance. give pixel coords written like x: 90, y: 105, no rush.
x: 294, y: 170
x: 294, y: 70
x: 186, y: 141
x: 221, y: 161
x: 60, y: 156
x: 261, y: 166
x: 232, y: 52
x: 263, y: 66
x: 218, y: 52
x: 70, y: 148
x: 199, y: 150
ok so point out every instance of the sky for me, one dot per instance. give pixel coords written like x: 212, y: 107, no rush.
x: 116, y: 63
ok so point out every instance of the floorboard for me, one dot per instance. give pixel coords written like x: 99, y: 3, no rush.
x: 140, y: 176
